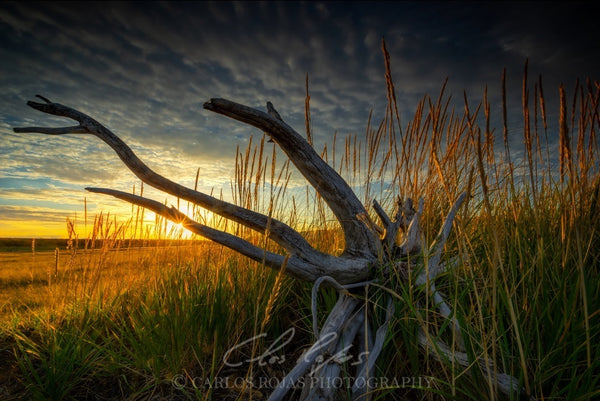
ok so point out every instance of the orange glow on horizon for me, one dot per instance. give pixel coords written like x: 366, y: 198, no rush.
x: 150, y: 227
x: 33, y: 229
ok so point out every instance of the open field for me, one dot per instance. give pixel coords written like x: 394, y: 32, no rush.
x: 36, y: 245
x: 134, y: 299
x: 29, y: 280
x: 30, y: 244
x: 172, y: 322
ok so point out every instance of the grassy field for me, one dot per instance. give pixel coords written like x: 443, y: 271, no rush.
x: 173, y: 322
x: 36, y: 245
x: 122, y: 323
x: 31, y: 244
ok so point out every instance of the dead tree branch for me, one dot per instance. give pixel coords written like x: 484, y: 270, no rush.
x: 327, y: 182
x: 371, y: 252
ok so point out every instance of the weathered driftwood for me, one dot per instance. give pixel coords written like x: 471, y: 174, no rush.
x: 371, y: 254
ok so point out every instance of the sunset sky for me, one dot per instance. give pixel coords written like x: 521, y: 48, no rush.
x: 145, y: 69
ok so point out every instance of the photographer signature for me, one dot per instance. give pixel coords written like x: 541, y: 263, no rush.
x: 269, y: 357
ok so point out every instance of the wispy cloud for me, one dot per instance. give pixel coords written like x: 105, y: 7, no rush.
x: 145, y: 69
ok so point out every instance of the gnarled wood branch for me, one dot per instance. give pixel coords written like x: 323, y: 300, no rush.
x: 335, y: 191
x: 295, y: 266
x: 370, y: 253
x: 278, y: 231
x: 349, y: 268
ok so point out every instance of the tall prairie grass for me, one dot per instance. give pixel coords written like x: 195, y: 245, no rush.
x: 523, y: 276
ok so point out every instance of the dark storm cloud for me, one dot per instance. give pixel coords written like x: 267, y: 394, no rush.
x: 145, y: 69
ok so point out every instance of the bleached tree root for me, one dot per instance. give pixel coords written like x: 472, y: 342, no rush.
x: 319, y: 368
x: 372, y: 253
x: 506, y: 384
